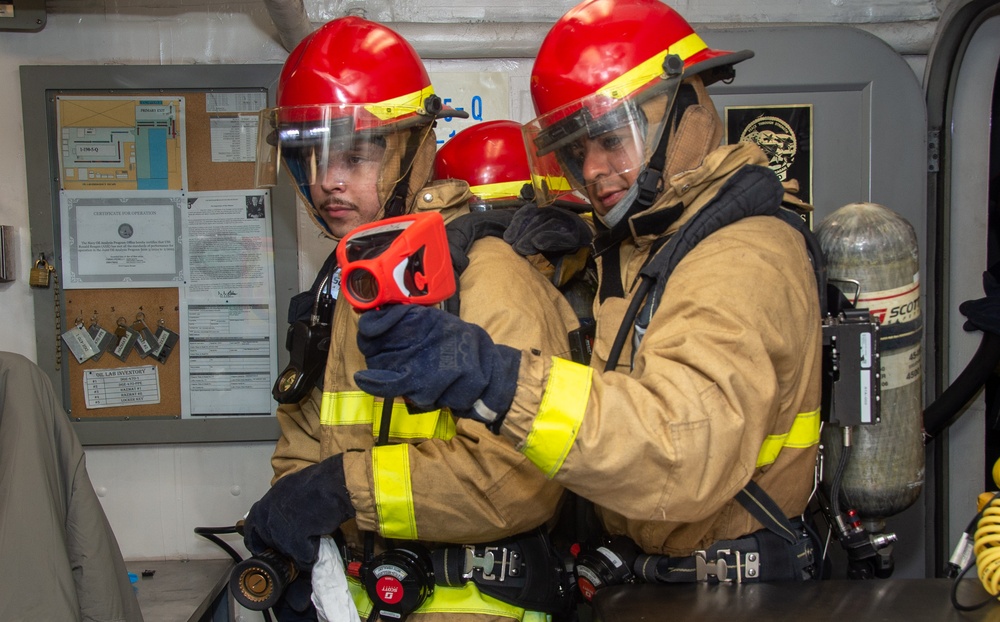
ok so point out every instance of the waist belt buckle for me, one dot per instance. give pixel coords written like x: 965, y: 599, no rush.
x: 500, y: 560
x: 718, y: 568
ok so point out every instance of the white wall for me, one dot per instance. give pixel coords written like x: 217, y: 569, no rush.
x: 156, y: 495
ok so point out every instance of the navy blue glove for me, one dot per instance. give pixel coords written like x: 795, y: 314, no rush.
x: 297, y: 510
x: 435, y: 360
x: 551, y: 231
x: 984, y: 313
x: 295, y: 603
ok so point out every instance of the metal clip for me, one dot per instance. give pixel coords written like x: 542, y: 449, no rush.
x: 717, y: 568
x: 752, y: 565
x: 495, y: 564
x: 484, y: 563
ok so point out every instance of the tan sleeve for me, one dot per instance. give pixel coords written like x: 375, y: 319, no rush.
x: 298, y: 446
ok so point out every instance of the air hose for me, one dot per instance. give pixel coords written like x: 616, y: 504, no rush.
x: 986, y: 546
x: 979, y: 546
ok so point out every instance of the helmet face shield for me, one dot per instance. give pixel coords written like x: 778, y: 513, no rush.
x: 317, y: 143
x: 594, y: 145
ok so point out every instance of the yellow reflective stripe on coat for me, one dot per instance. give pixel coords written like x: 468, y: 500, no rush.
x: 804, y: 433
x: 393, y: 491
x: 466, y: 599
x: 359, y: 408
x: 555, y: 427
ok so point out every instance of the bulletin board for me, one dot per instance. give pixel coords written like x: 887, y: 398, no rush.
x: 132, y: 173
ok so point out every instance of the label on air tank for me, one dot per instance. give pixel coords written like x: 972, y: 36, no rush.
x: 898, y: 311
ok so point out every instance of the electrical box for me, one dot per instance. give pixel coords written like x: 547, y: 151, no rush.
x: 22, y: 14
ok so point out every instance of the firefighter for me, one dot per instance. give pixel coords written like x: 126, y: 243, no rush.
x: 700, y: 406
x: 354, y: 126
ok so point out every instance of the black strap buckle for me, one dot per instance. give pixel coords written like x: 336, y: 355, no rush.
x: 493, y: 563
x: 745, y: 566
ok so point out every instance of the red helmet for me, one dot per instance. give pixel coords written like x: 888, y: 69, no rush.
x: 354, y: 62
x: 596, y: 67
x: 349, y: 79
x: 490, y: 156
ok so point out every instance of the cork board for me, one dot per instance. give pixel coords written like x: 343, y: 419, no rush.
x: 219, y: 100
x: 202, y: 172
x: 106, y: 307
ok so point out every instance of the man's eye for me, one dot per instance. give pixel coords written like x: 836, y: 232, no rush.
x: 610, y: 142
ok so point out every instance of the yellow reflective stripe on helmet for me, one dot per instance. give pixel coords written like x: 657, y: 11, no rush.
x: 554, y: 429
x: 400, y: 106
x: 360, y: 408
x: 804, y: 433
x: 499, y: 190
x: 393, y: 492
x: 466, y: 599
x: 625, y: 84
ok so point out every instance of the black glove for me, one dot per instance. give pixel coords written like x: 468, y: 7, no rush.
x: 551, y: 231
x: 297, y: 510
x: 436, y: 360
x: 295, y: 603
x: 984, y: 313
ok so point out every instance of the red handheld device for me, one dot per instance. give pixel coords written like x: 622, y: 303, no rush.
x: 404, y: 259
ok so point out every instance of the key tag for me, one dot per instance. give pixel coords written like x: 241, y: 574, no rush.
x: 124, y: 340
x: 104, y: 340
x: 144, y: 340
x: 79, y: 342
x: 166, y: 340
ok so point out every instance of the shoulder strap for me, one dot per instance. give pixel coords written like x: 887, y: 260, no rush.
x: 751, y: 191
x: 462, y: 234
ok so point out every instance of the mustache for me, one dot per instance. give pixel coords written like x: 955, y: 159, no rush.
x: 337, y: 203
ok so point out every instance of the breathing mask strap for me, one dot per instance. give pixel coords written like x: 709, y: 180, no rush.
x: 650, y: 181
x: 396, y: 205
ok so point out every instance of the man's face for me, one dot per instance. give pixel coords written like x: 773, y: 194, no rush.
x: 345, y: 192
x: 609, y: 164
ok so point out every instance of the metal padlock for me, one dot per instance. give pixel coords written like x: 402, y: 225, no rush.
x: 39, y: 275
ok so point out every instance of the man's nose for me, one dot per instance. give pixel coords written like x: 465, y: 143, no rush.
x: 333, y: 179
x: 595, y: 165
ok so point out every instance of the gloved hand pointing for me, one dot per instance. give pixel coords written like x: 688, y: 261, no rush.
x: 435, y: 359
x: 297, y: 510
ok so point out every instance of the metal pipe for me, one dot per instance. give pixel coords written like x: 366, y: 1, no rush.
x: 455, y: 40
x: 291, y: 20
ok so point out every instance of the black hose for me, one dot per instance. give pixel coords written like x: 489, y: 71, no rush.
x: 209, y: 533
x: 948, y: 407
x: 838, y: 477
x: 626, y: 326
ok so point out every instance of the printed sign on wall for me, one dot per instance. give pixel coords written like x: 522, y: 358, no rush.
x: 784, y: 132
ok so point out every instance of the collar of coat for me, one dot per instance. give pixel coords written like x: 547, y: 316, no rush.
x: 680, y: 199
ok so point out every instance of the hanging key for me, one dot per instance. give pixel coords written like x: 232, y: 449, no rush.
x: 166, y: 341
x: 145, y: 342
x: 105, y: 341
x: 124, y: 340
x: 40, y: 273
x: 79, y: 342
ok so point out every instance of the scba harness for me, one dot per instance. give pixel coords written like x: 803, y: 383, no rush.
x: 523, y: 571
x: 785, y: 550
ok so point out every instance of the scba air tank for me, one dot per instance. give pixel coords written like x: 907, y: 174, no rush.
x: 872, y: 254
